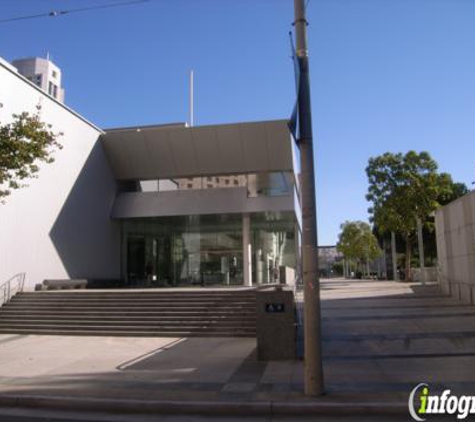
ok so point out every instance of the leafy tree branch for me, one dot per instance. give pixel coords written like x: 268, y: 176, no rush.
x: 24, y: 143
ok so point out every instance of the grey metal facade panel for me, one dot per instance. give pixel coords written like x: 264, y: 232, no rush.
x: 156, y: 151
x: 183, y: 151
x: 231, y: 152
x: 254, y: 141
x: 196, y: 202
x: 169, y: 152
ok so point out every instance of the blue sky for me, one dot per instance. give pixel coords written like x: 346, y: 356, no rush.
x: 385, y: 75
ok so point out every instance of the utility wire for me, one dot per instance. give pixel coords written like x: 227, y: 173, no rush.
x: 55, y: 13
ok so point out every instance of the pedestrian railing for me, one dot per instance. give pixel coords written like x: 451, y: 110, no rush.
x: 11, y: 287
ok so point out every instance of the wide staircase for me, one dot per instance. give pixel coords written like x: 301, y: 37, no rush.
x: 145, y: 313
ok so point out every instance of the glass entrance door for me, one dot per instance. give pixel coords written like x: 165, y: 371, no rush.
x: 163, y: 270
x: 184, y: 251
x: 136, y: 260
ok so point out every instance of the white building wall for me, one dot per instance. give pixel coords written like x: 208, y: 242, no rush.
x: 455, y: 227
x: 59, y: 226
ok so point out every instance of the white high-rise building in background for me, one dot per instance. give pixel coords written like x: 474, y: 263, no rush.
x: 42, y: 72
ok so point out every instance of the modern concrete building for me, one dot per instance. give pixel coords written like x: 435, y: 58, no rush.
x: 165, y: 205
x: 42, y: 72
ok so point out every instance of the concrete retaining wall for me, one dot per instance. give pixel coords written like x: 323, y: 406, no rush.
x: 456, y: 248
x: 430, y: 273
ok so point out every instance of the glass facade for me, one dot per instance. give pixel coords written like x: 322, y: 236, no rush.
x: 257, y: 184
x: 274, y: 237
x: 206, y: 249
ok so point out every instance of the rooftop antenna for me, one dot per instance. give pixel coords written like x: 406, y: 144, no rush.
x: 47, y: 55
x: 191, y: 98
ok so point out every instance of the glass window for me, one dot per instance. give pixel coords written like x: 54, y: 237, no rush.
x: 274, y: 246
x: 149, y: 186
x: 207, y: 249
x: 269, y: 184
x: 185, y: 250
x: 257, y: 184
x: 168, y: 185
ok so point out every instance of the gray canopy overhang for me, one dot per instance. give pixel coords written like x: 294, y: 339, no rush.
x: 172, y: 151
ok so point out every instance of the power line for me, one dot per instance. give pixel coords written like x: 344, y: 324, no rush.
x: 55, y: 13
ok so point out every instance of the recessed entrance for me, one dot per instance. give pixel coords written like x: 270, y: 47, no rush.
x: 153, y: 261
x: 207, y: 250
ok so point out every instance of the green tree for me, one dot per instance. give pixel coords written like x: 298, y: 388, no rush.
x: 24, y: 143
x: 451, y: 190
x: 404, y: 188
x: 357, y: 242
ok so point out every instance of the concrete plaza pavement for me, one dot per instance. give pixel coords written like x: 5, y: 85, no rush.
x: 380, y: 339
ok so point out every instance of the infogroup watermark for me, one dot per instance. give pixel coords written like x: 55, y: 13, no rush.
x: 422, y: 404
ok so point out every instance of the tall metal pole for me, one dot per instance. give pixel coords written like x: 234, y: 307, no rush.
x: 420, y: 242
x: 312, y: 322
x: 191, y: 98
x: 367, y: 266
x: 394, y: 256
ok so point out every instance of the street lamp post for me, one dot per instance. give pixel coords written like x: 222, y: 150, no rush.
x: 312, y: 321
x: 420, y: 243
x: 394, y: 256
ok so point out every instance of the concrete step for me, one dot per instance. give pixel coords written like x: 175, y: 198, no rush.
x: 129, y: 328
x: 111, y: 333
x: 153, y: 313
x: 122, y: 323
x: 146, y: 295
x: 119, y: 295
x: 183, y: 319
x: 43, y: 296
x: 130, y: 310
x: 135, y: 303
x: 69, y: 313
x: 50, y: 299
x: 131, y: 313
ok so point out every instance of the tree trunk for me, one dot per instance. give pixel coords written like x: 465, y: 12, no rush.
x: 408, y: 259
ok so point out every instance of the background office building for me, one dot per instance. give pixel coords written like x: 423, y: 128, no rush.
x: 42, y: 72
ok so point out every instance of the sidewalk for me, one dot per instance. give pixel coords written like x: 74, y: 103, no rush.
x: 380, y: 340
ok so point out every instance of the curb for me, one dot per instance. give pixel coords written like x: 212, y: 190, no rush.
x: 268, y: 408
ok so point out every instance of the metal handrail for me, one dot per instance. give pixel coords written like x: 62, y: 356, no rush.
x: 8, y: 289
